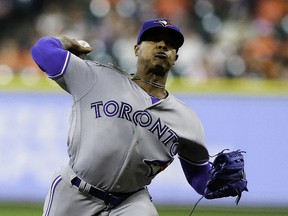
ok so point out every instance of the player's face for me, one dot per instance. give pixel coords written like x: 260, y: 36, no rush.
x: 158, y: 51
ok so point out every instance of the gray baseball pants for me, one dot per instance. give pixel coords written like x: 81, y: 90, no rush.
x: 65, y: 199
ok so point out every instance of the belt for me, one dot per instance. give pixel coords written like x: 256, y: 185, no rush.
x: 110, y: 199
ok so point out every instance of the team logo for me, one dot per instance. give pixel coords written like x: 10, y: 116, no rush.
x: 164, y: 23
x: 157, y: 166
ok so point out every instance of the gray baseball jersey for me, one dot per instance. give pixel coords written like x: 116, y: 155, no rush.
x: 118, y: 140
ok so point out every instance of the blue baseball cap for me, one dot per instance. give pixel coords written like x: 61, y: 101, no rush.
x: 161, y: 24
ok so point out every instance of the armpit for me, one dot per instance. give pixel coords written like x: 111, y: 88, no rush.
x: 192, y: 151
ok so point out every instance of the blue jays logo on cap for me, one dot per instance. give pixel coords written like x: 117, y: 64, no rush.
x: 161, y: 24
x: 164, y: 22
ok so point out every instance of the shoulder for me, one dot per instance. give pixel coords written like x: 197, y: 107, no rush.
x: 184, y: 119
x: 182, y: 108
x: 108, y: 69
x: 189, y: 128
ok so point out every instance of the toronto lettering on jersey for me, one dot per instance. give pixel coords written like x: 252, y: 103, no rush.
x: 139, y: 117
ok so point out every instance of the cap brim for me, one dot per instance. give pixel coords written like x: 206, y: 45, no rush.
x: 176, y: 35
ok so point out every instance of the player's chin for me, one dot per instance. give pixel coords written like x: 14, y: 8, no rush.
x: 164, y: 62
x: 161, y: 69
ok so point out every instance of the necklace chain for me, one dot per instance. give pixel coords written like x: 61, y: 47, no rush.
x: 157, y: 85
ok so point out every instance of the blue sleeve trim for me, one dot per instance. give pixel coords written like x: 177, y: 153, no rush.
x: 57, y: 76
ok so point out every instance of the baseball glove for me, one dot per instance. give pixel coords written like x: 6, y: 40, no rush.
x: 227, y: 176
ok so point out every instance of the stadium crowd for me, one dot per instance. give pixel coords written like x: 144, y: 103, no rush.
x: 223, y: 38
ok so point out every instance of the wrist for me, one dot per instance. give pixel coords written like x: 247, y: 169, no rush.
x: 66, y: 42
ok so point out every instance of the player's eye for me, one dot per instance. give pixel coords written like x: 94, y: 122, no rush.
x: 152, y: 38
x: 171, y: 44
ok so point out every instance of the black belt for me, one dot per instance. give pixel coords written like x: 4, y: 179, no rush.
x: 111, y: 199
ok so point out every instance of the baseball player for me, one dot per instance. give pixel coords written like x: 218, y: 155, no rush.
x: 124, y: 129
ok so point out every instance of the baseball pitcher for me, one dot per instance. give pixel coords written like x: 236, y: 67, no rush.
x: 125, y: 129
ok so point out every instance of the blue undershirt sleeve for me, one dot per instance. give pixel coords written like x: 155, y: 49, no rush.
x: 49, y: 55
x: 196, y: 175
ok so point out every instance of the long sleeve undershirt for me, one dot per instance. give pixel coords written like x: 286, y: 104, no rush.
x: 196, y: 175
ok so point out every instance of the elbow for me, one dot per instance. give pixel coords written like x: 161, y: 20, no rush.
x: 43, y: 49
x: 49, y: 55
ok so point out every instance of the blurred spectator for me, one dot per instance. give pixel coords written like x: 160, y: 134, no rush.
x: 9, y: 53
x: 259, y: 56
x: 52, y: 20
x: 223, y: 38
x: 173, y: 9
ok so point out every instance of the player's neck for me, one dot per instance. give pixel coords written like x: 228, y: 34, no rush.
x: 153, y: 88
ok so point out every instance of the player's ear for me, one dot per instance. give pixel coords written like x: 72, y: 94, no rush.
x: 136, y: 49
x: 176, y: 57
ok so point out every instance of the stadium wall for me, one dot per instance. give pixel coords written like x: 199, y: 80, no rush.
x: 34, y: 127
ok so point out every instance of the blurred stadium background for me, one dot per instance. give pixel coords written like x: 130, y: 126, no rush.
x: 224, y: 38
x: 232, y: 70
